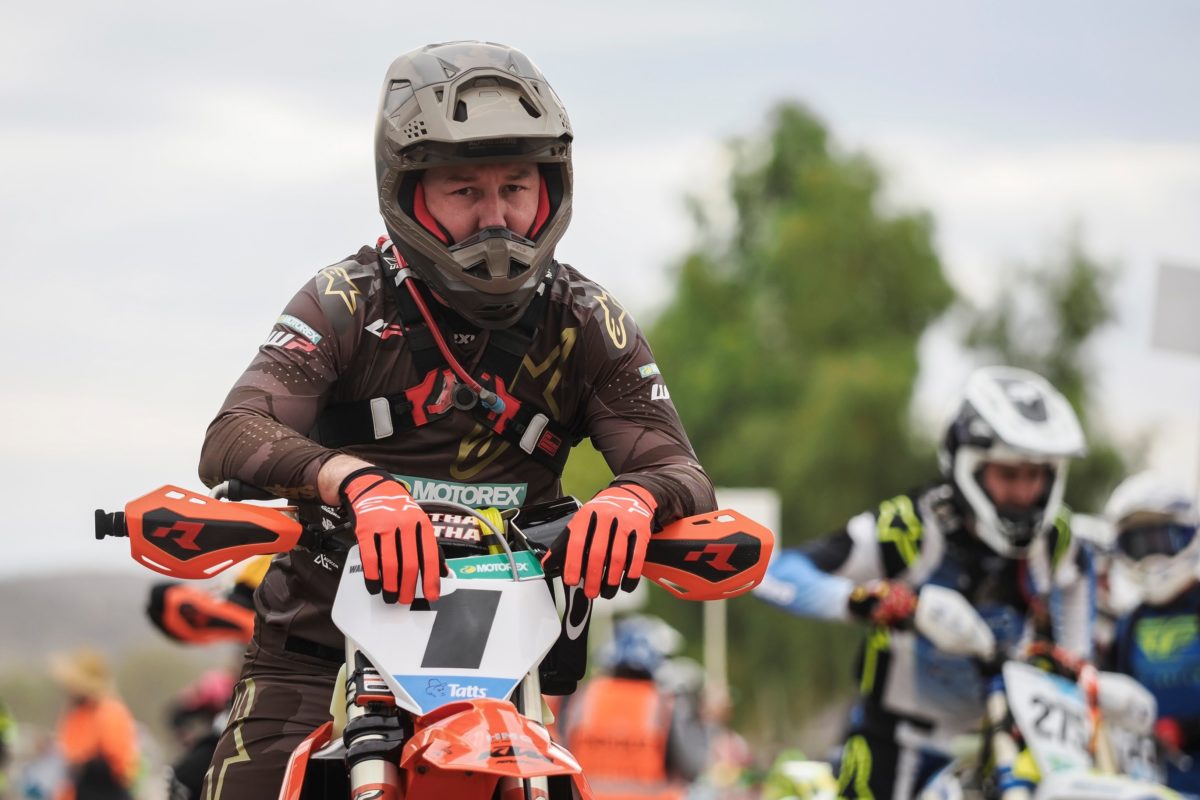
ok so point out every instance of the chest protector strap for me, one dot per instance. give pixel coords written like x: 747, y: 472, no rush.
x: 519, y: 423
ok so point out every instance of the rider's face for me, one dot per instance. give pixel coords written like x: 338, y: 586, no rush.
x: 465, y: 199
x: 1014, y: 486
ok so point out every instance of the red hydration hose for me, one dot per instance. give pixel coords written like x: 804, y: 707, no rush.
x: 490, y: 399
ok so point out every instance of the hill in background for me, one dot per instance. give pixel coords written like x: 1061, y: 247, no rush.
x: 43, y: 615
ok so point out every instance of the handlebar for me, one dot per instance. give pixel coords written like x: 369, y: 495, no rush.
x: 110, y: 524
x: 237, y: 491
x: 710, y: 556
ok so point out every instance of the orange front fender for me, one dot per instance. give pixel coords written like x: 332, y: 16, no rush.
x: 484, y: 736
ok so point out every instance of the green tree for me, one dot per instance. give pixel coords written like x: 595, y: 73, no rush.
x: 1044, y: 320
x: 790, y: 347
x: 791, y: 351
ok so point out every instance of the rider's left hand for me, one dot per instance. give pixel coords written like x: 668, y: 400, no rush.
x: 607, y: 540
x: 888, y: 604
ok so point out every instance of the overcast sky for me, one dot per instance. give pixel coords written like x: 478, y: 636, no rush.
x: 172, y: 173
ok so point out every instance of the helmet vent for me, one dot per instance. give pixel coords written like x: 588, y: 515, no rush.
x: 415, y: 129
x: 533, y: 112
x: 460, y: 111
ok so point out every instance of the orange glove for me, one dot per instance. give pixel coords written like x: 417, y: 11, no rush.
x: 887, y: 604
x: 395, y: 536
x: 607, y: 540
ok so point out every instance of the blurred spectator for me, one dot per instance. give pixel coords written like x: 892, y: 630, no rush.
x: 96, y: 733
x: 633, y: 738
x: 44, y: 772
x: 197, y: 718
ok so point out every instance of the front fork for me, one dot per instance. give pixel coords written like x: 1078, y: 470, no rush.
x: 374, y: 733
x: 528, y: 700
x: 1004, y: 749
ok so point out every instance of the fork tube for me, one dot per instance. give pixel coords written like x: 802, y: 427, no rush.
x: 1004, y: 748
x: 373, y: 734
x: 528, y: 697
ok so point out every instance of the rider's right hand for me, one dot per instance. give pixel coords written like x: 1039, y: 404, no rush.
x: 396, y: 538
x: 888, y: 604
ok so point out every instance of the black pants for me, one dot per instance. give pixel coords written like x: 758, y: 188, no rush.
x: 279, y: 700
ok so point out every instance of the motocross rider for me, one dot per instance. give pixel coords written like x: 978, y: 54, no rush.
x: 1158, y: 642
x: 995, y: 530
x: 456, y: 359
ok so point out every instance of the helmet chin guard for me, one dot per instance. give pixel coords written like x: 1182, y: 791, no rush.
x: 1012, y: 416
x: 472, y: 103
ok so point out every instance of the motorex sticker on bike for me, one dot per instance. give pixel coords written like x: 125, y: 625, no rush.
x: 497, y: 566
x: 1052, y: 715
x: 479, y: 639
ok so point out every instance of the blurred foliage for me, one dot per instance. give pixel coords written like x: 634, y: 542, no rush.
x: 586, y: 472
x: 1046, y: 314
x: 790, y: 347
x: 791, y: 352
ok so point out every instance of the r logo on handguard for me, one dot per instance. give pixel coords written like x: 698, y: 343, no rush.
x: 720, y: 556
x: 188, y: 530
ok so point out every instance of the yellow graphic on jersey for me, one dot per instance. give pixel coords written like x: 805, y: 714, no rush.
x: 475, y: 451
x: 1162, y: 637
x: 481, y: 447
x: 338, y: 284
x: 900, y: 525
x: 614, y: 326
x: 557, y: 359
x: 878, y: 640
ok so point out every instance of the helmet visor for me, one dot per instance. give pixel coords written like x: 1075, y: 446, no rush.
x: 1162, y: 539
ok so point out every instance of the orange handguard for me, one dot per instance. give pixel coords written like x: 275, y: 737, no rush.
x: 188, y: 535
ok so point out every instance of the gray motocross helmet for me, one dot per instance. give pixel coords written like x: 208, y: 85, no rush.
x: 472, y: 102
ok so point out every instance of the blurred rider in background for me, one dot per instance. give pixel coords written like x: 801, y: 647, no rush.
x: 634, y: 738
x: 1158, y: 643
x: 995, y: 530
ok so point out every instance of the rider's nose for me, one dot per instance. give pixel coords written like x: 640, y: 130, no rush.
x: 491, y: 213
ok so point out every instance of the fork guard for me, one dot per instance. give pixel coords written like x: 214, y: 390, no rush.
x: 488, y: 736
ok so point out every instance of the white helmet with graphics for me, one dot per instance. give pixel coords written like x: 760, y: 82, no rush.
x: 1155, y: 524
x: 1010, y: 416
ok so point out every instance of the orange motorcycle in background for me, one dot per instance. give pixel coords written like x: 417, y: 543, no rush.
x: 442, y: 699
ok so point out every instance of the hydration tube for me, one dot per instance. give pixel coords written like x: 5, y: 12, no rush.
x: 491, y: 401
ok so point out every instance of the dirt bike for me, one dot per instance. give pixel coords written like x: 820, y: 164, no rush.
x: 443, y: 699
x: 1054, y: 727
